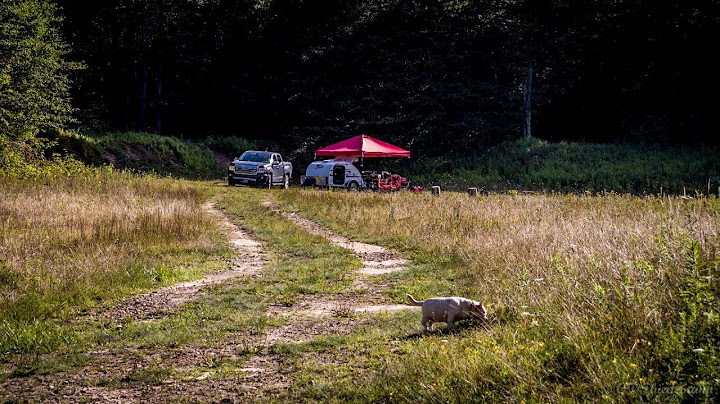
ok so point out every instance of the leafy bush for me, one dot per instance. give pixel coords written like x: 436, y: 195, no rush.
x: 688, y: 355
x: 25, y: 160
x: 232, y: 145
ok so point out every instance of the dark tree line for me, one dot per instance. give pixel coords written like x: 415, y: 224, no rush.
x: 432, y: 75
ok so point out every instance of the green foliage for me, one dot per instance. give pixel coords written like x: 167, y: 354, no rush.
x: 231, y: 145
x: 34, y: 83
x: 25, y: 160
x: 534, y: 164
x: 34, y: 90
x: 145, y: 152
x: 688, y: 355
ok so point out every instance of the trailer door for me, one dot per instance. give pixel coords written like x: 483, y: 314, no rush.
x: 338, y: 174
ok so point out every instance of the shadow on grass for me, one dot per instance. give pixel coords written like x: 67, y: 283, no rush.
x: 458, y: 328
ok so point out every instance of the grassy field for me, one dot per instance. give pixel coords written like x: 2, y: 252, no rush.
x: 600, y: 298
x: 70, y: 242
x: 606, y: 297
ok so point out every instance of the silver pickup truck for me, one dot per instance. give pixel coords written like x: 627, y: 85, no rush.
x: 260, y: 168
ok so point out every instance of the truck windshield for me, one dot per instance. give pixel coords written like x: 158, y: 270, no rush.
x: 256, y: 157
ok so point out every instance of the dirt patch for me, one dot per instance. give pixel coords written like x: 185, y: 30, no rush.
x: 223, y: 159
x: 381, y: 267
x: 384, y: 308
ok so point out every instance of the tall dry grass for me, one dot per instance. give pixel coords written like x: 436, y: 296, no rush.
x: 67, y: 243
x: 543, y: 239
x: 602, y: 282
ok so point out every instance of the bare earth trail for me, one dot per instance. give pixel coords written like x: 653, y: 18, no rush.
x: 337, y: 313
x: 86, y: 384
x: 193, y: 377
x: 248, y: 260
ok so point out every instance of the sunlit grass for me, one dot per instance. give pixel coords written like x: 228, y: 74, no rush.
x: 583, y: 291
x: 300, y: 263
x: 597, y: 298
x: 71, y: 242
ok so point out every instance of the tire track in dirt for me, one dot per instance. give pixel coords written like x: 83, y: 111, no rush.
x: 337, y: 313
x: 85, y: 383
x: 247, y: 260
x: 327, y: 314
x: 263, y: 372
x: 377, y: 260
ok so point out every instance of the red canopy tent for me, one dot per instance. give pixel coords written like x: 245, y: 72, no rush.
x: 362, y: 146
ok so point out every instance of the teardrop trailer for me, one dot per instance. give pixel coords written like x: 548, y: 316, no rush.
x: 334, y: 173
x: 340, y: 172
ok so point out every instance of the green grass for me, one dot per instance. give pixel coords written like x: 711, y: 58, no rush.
x: 302, y: 263
x: 225, y: 310
x: 600, y: 298
x: 532, y: 164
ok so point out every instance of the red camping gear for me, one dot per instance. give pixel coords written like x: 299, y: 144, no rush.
x: 365, y: 146
x: 392, y: 182
x: 362, y: 146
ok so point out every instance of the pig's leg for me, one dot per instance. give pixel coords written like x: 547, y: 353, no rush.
x: 426, y: 322
x: 450, y: 320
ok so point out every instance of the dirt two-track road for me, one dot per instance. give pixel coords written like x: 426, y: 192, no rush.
x: 120, y: 375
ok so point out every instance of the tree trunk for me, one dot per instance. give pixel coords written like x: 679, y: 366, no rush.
x: 161, y: 68
x: 527, y: 87
x: 142, y: 124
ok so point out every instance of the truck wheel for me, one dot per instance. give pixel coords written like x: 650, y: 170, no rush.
x: 231, y: 182
x: 286, y: 182
x: 352, y: 186
x: 269, y: 181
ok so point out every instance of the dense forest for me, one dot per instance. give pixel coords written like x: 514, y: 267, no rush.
x: 434, y: 76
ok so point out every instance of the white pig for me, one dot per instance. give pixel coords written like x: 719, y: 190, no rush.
x: 448, y: 310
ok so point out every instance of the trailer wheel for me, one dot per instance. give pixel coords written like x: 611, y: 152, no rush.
x: 352, y: 186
